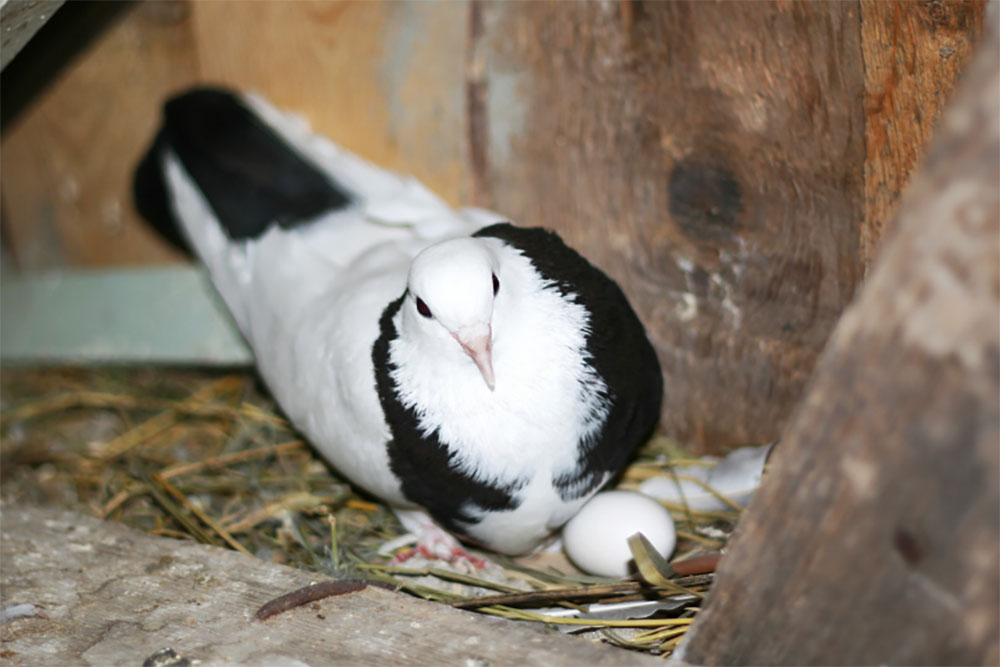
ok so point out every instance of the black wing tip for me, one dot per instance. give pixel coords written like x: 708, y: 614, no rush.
x: 150, y: 196
x: 149, y: 189
x: 250, y: 176
x: 208, y: 93
x: 202, y: 113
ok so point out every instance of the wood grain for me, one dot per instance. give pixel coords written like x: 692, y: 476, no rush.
x: 709, y: 157
x: 875, y: 538
x: 383, y: 79
x: 732, y: 165
x: 913, y: 55
x: 67, y: 163
x: 19, y: 21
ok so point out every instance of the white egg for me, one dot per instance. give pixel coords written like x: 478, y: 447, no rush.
x: 596, y: 538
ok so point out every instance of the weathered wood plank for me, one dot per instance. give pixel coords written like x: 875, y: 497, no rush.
x: 384, y: 79
x: 875, y: 539
x: 709, y: 156
x: 67, y: 162
x: 19, y: 21
x: 113, y: 596
x: 913, y: 54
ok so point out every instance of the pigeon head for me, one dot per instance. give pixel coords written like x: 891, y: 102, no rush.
x: 452, y: 287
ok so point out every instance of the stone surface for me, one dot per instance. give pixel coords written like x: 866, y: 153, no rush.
x: 109, y: 595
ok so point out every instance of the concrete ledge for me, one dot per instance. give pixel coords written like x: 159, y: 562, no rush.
x: 111, y: 595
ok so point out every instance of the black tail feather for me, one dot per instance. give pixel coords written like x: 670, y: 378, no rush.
x: 149, y: 191
x: 250, y: 176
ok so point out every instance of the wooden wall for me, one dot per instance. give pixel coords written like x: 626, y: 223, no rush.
x: 875, y: 537
x: 733, y: 165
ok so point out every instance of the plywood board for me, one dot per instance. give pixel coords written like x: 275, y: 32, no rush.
x: 384, y: 79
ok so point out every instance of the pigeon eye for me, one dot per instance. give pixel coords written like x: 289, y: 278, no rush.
x: 422, y: 308
x: 496, y: 284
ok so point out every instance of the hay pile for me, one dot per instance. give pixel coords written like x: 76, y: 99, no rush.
x: 206, y: 456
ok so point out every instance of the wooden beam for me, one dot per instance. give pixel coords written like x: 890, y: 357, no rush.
x: 19, y: 21
x: 875, y: 539
x: 710, y: 157
x: 913, y: 55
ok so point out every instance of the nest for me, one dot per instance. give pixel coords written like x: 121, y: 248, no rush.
x: 207, y: 456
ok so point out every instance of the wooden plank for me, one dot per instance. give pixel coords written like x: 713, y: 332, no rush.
x: 66, y: 35
x: 111, y: 596
x: 67, y: 163
x: 875, y: 538
x: 913, y: 54
x: 19, y: 21
x: 384, y: 79
x: 164, y: 315
x: 715, y: 172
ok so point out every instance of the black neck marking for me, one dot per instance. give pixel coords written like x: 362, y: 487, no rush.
x: 616, y: 348
x: 424, y: 465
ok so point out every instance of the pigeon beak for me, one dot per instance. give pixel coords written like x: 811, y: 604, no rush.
x: 479, y: 347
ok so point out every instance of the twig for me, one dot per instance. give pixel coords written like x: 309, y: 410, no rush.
x: 707, y: 541
x: 102, y: 400
x: 291, y: 502
x: 173, y: 510
x: 525, y: 615
x: 551, y: 595
x: 164, y: 420
x: 564, y: 594
x: 194, y: 509
x: 440, y: 574
x: 227, y: 459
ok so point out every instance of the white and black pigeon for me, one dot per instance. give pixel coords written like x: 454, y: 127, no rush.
x: 485, y: 376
